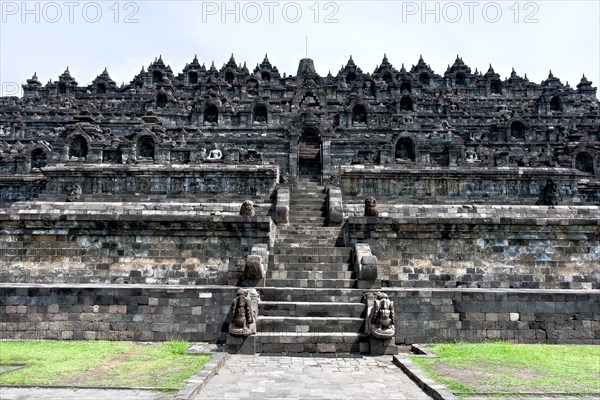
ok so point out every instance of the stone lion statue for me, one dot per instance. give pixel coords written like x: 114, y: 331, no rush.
x: 371, y: 209
x: 247, y: 209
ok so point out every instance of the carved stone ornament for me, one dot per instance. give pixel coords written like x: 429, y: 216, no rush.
x: 371, y: 209
x: 247, y: 209
x: 550, y: 195
x: 381, y: 317
x: 244, y: 312
x: 215, y: 154
x: 74, y: 194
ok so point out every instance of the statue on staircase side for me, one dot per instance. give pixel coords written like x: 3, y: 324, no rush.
x: 247, y: 209
x: 381, y: 318
x: 371, y: 209
x: 243, y: 319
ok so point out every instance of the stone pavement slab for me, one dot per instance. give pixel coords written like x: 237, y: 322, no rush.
x: 78, y: 394
x: 301, y: 378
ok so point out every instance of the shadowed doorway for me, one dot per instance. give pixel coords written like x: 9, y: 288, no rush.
x: 309, y: 153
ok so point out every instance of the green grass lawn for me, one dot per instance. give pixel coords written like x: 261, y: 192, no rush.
x: 513, y: 368
x: 100, y: 363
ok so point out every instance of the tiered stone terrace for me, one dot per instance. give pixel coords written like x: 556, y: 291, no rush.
x: 120, y: 206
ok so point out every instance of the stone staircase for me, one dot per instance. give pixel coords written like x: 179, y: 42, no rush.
x: 308, y: 304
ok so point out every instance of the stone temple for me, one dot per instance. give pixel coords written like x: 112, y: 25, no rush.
x: 288, y: 214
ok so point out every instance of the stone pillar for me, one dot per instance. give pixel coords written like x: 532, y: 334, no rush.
x: 282, y: 205
x: 326, y: 159
x: 257, y: 262
x: 365, y: 263
x: 335, y: 206
x: 293, y: 164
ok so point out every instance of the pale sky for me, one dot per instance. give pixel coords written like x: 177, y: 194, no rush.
x: 531, y: 36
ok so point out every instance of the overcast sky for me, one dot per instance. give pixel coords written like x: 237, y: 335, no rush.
x: 533, y: 37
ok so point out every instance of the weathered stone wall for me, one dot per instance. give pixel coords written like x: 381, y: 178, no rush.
x: 114, y: 312
x: 171, y: 180
x: 120, y: 243
x: 453, y: 184
x: 482, y: 246
x: 525, y: 316
x: 154, y: 313
x: 21, y: 187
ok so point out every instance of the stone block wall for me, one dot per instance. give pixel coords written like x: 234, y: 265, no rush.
x: 156, y: 179
x: 196, y: 313
x: 21, y: 187
x: 508, y: 185
x: 121, y: 243
x: 524, y: 316
x: 483, y: 246
x: 114, y: 312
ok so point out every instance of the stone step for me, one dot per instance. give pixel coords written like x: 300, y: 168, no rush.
x: 326, y: 268
x: 300, y: 237
x: 311, y: 283
x: 307, y: 237
x: 316, y: 221
x: 311, y: 309
x: 312, y: 251
x: 330, y: 242
x: 309, y: 324
x: 308, y: 194
x: 297, y: 210
x: 315, y: 192
x: 315, y: 196
x: 308, y: 191
x: 316, y: 275
x: 336, y: 295
x: 309, y: 231
x: 319, y: 242
x: 308, y: 207
x: 308, y: 241
x: 310, y: 342
x: 313, y: 183
x: 299, y: 215
x: 309, y: 259
x: 304, y: 209
x: 312, y: 195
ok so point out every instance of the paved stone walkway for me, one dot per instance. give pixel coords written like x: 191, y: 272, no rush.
x: 77, y: 394
x: 304, y: 378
